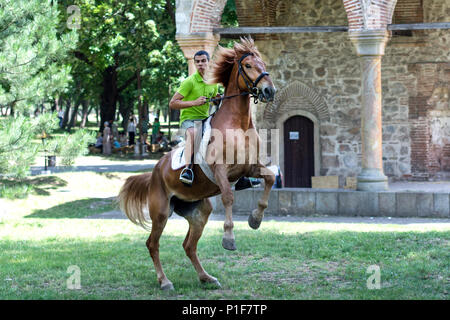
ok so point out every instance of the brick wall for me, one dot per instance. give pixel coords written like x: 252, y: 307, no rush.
x: 206, y: 15
x: 369, y: 14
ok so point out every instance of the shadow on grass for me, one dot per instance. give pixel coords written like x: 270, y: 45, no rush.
x: 108, y: 175
x: 76, y: 209
x: 20, y: 189
x: 312, y: 265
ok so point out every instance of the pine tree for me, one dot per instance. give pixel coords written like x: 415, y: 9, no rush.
x: 33, y: 67
x: 31, y: 53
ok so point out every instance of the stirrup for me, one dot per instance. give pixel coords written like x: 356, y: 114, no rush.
x: 254, y: 182
x: 184, y: 180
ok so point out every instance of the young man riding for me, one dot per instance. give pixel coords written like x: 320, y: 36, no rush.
x: 192, y: 99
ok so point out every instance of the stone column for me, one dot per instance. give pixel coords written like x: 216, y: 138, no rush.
x: 370, y: 45
x: 193, y: 42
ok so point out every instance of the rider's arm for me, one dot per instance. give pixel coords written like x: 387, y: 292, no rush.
x: 177, y: 103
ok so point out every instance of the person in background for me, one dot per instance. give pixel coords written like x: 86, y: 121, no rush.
x: 60, y: 117
x: 155, y: 130
x: 107, y: 137
x: 131, y: 131
x: 145, y: 125
x: 123, y: 139
x: 114, y: 129
x: 99, y: 142
x: 97, y: 147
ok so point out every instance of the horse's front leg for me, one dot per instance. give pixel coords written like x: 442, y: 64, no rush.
x: 260, y: 171
x: 220, y: 174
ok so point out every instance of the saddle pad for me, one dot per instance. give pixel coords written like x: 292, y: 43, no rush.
x: 178, y: 160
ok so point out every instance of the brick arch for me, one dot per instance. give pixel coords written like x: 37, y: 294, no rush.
x: 293, y: 90
x: 369, y: 14
x: 206, y: 15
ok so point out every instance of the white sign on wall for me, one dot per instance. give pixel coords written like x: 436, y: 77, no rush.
x: 294, y: 135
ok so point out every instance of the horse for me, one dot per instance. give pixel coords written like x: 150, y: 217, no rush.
x: 242, y: 72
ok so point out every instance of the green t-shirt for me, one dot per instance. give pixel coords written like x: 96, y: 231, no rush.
x: 191, y: 89
x: 155, y: 127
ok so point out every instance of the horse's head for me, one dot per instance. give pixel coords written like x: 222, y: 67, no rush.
x: 254, y: 78
x: 246, y: 61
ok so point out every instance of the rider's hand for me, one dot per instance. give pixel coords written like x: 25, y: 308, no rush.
x: 200, y: 101
x: 218, y: 96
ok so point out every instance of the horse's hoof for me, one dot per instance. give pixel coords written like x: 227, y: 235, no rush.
x: 217, y: 284
x: 229, y: 244
x: 214, y: 283
x: 167, y: 287
x: 253, y: 223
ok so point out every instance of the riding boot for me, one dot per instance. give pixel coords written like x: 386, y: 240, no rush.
x: 187, y: 175
x: 245, y: 183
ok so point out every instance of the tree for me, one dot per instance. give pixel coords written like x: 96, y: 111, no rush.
x: 120, y: 40
x: 32, y: 55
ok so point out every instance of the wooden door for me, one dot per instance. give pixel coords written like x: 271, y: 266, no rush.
x: 298, y: 152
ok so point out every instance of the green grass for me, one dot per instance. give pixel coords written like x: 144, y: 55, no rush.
x: 44, y: 234
x: 280, y: 261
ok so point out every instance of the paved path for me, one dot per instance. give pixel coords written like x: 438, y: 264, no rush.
x: 97, y: 164
x: 102, y: 164
x: 370, y: 220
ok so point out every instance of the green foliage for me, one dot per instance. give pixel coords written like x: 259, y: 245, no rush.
x: 229, y: 16
x: 17, y: 151
x: 31, y: 54
x: 45, y: 124
x: 120, y: 37
x: 18, y: 191
x: 71, y: 146
x: 229, y: 20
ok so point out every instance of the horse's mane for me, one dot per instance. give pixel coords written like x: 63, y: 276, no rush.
x: 224, y: 59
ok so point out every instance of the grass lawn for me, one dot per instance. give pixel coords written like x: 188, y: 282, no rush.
x: 46, y: 233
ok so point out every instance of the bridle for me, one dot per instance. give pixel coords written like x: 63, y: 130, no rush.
x: 251, y: 86
x: 253, y: 89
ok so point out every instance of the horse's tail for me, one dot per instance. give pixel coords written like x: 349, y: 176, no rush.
x: 132, y: 198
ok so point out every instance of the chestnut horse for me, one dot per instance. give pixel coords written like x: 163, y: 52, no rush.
x: 242, y: 72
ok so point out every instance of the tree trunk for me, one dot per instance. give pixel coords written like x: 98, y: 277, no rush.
x: 140, y: 111
x: 108, y: 97
x: 125, y: 110
x: 11, y: 109
x: 66, y: 114
x: 55, y: 105
x: 73, y: 117
x: 85, y: 112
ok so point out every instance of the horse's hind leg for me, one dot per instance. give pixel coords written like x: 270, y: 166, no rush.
x: 259, y: 171
x: 197, y: 221
x: 159, y: 213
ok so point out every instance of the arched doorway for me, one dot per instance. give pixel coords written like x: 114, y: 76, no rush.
x: 298, y: 152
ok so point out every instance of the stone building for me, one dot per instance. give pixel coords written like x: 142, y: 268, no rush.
x: 369, y: 102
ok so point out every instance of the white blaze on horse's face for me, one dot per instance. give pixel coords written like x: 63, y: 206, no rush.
x: 254, y: 67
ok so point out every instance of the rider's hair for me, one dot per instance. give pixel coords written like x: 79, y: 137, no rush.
x: 201, y: 53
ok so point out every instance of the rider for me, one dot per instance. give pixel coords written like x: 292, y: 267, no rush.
x: 191, y: 99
